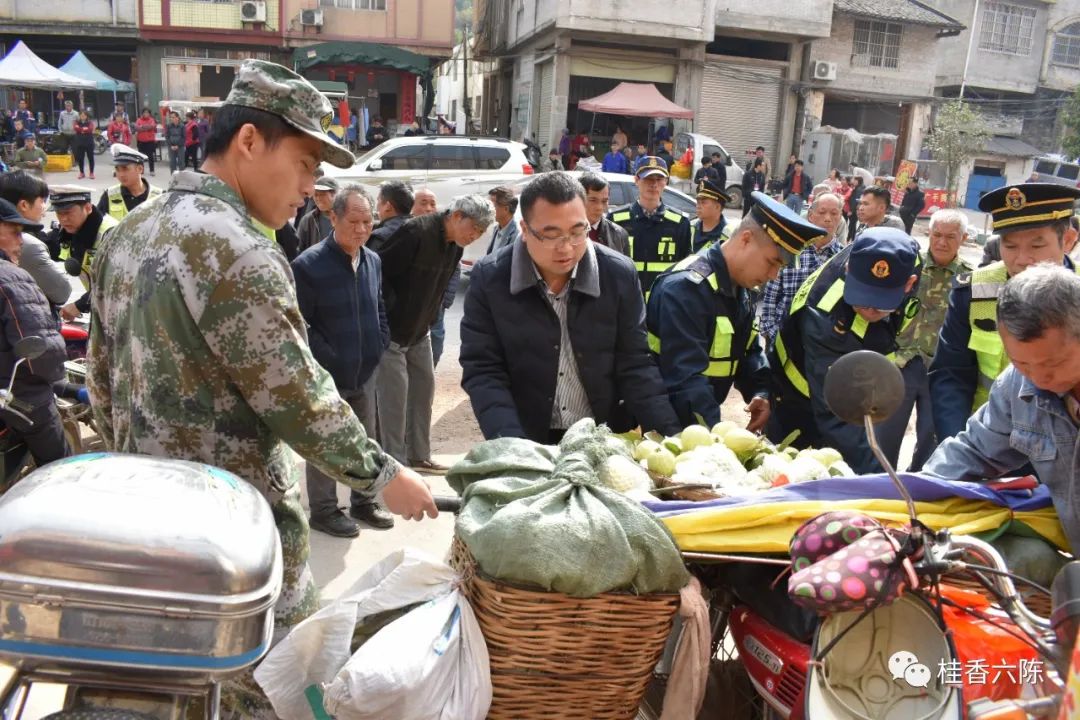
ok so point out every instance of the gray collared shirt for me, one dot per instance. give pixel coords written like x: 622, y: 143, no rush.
x: 571, y: 401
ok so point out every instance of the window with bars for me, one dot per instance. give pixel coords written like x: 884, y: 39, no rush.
x: 877, y: 44
x: 1067, y: 47
x: 1007, y: 28
x: 354, y: 4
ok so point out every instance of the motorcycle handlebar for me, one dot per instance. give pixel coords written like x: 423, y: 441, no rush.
x: 69, y: 391
x: 448, y: 503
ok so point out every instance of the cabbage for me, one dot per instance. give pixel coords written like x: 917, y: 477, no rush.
x: 841, y: 469
x: 624, y: 475
x: 805, y: 468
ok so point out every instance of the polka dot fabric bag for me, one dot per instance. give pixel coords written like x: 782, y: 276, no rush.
x: 845, y: 560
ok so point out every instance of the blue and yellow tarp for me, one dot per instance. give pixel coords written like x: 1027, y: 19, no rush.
x: 764, y: 523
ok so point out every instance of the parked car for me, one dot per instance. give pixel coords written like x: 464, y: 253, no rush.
x: 703, y: 145
x: 450, y: 165
x: 623, y: 191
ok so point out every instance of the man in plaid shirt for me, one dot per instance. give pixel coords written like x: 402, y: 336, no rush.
x: 825, y: 212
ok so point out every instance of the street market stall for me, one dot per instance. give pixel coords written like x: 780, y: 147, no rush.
x: 78, y: 65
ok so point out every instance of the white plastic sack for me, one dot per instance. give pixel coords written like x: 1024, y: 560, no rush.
x: 430, y: 664
x: 313, y: 653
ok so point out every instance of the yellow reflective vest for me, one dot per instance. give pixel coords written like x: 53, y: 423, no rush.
x: 117, y: 208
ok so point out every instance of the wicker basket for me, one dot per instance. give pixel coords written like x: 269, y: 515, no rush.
x: 555, y: 656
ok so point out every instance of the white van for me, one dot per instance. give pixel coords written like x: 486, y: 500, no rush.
x: 704, y: 145
x: 1056, y: 169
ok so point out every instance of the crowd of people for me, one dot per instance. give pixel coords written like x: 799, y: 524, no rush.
x: 254, y: 304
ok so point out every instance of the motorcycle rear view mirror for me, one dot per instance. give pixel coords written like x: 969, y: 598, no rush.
x: 30, y: 347
x: 863, y: 388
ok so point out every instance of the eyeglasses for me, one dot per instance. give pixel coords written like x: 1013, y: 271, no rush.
x: 576, y: 238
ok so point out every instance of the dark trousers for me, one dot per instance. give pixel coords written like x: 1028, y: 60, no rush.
x: 191, y: 156
x: 45, y: 439
x: 791, y: 412
x: 438, y: 336
x: 84, y: 154
x: 890, y: 432
x: 321, y: 488
x: 853, y: 225
x: 909, y: 221
x: 149, y: 149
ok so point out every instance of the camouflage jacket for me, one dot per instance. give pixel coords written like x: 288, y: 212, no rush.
x: 920, y: 337
x: 198, y: 350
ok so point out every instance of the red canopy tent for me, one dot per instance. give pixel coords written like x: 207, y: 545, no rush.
x: 635, y: 99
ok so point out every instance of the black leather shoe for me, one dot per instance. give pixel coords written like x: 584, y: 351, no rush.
x: 335, y: 524
x: 373, y: 514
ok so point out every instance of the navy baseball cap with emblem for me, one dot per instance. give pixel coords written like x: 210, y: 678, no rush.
x: 124, y: 155
x: 881, y: 261
x: 1029, y: 205
x: 713, y: 191
x: 651, y: 165
x: 790, y: 232
x: 64, y: 195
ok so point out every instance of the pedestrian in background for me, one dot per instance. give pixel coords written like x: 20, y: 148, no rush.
x: 84, y: 144
x: 146, y: 137
x: 393, y: 205
x: 65, y: 123
x: 316, y: 225
x: 797, y: 187
x: 119, y: 131
x: 912, y: 204
x: 615, y: 162
x: 506, y: 230
x: 619, y: 139
x: 174, y: 138
x: 917, y: 342
x: 339, y: 290
x: 203, y: 121
x: 191, y: 141
x: 753, y: 181
x: 597, y: 201
x: 418, y: 262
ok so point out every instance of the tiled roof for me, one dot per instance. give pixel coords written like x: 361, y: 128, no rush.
x: 904, y: 11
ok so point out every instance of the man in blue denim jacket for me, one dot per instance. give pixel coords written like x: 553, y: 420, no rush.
x: 1033, y: 412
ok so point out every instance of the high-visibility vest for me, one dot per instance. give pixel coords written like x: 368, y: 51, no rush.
x: 826, y: 302
x: 107, y: 224
x: 117, y: 209
x: 984, y: 341
x: 722, y: 364
x: 648, y: 265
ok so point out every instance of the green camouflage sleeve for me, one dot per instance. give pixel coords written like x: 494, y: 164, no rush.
x: 252, y: 323
x: 98, y: 384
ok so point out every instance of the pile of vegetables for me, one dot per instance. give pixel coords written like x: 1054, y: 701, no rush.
x: 731, y: 460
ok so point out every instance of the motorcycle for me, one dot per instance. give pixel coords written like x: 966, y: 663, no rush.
x: 842, y: 662
x: 140, y: 585
x: 16, y: 455
x: 76, y: 334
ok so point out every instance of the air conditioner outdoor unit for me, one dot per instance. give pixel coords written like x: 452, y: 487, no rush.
x: 311, y: 18
x: 821, y: 70
x: 253, y: 11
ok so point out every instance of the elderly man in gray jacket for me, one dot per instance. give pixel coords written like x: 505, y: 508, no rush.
x: 1033, y: 414
x: 28, y: 194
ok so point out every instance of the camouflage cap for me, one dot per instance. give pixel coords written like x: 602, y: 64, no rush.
x: 274, y: 88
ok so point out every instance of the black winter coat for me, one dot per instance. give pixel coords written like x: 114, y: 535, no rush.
x: 510, y: 347
x: 24, y: 311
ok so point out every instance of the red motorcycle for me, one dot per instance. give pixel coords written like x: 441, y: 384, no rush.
x: 76, y: 335
x: 910, y: 645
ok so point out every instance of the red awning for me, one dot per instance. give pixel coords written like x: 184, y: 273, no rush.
x: 635, y: 99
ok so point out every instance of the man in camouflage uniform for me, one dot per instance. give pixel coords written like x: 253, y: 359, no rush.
x: 198, y: 350
x: 917, y: 343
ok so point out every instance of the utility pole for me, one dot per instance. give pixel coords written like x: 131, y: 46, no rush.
x: 465, y: 81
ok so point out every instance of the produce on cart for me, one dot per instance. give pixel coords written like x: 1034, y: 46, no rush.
x: 574, y: 583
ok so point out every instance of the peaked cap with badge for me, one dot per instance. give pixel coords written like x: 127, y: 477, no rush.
x: 1029, y: 205
x: 124, y: 155
x: 789, y: 231
x: 709, y: 188
x: 64, y: 195
x: 651, y: 165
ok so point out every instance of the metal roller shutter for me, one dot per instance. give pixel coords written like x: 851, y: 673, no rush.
x: 740, y: 106
x: 547, y: 92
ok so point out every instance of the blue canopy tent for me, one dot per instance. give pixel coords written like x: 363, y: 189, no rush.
x: 80, y: 66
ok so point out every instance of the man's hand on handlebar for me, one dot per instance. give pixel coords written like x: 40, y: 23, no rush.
x: 409, y: 496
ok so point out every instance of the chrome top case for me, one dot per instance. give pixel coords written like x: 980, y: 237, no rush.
x: 137, y: 562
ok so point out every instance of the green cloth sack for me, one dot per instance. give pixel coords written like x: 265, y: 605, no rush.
x: 566, y: 533
x: 503, y: 458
